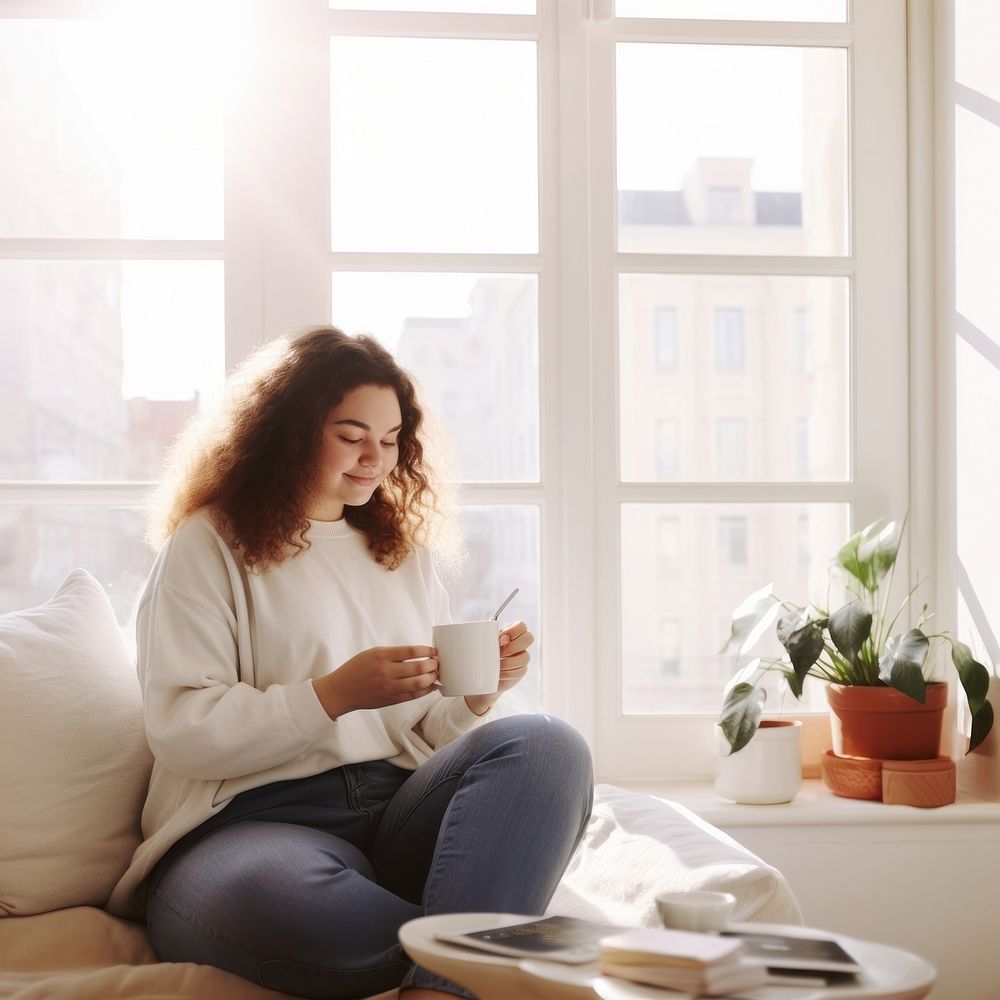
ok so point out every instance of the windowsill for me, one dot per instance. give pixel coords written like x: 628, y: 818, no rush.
x: 814, y: 805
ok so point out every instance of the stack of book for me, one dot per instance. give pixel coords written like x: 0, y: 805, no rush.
x: 699, y: 964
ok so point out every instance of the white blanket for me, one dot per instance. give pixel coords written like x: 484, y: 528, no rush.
x: 637, y: 845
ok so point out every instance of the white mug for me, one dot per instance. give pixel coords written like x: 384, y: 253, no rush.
x: 468, y: 657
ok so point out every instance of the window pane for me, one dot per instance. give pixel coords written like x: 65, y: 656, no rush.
x: 440, y: 6
x: 977, y: 377
x: 103, y: 363
x: 753, y: 160
x: 736, y: 10
x: 977, y: 209
x: 434, y: 145
x: 40, y: 545
x: 115, y: 132
x: 740, y: 362
x: 673, y: 625
x: 471, y: 340
x: 977, y: 26
x: 501, y: 552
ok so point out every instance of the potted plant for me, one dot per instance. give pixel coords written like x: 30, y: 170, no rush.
x: 857, y: 652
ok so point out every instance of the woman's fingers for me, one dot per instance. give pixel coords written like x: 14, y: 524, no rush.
x: 517, y: 645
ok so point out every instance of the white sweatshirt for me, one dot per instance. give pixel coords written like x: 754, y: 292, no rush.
x: 226, y: 659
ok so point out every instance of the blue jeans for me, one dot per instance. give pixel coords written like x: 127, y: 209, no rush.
x: 302, y: 885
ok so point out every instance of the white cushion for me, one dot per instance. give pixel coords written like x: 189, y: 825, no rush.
x: 74, y: 763
x: 637, y: 845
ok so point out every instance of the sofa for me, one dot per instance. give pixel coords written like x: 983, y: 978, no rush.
x: 73, y: 770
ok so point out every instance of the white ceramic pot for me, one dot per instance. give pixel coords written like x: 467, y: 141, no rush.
x: 767, y: 770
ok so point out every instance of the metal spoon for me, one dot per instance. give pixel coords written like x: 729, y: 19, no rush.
x: 507, y: 600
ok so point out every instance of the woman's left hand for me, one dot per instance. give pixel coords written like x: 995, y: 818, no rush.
x: 514, y: 657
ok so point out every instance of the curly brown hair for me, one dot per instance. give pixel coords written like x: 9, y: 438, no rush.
x: 254, y: 463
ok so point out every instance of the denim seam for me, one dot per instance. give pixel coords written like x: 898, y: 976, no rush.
x: 336, y: 971
x: 416, y: 805
x: 210, y: 931
x: 450, y: 834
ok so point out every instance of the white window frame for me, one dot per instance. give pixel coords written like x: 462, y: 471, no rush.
x: 278, y: 264
x: 658, y: 746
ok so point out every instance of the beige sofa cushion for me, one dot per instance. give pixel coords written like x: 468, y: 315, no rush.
x: 74, y: 763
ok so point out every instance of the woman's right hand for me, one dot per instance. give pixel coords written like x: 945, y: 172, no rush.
x: 383, y: 675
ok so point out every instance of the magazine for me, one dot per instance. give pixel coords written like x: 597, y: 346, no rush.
x: 556, y: 939
x: 802, y: 951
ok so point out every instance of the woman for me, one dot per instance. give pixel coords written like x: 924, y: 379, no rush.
x: 312, y: 790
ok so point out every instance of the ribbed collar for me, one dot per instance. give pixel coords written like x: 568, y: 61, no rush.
x: 330, y: 529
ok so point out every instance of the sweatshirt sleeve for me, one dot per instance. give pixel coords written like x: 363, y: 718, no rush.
x: 449, y: 718
x: 202, y: 721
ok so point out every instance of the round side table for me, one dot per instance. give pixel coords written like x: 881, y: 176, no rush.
x: 889, y: 973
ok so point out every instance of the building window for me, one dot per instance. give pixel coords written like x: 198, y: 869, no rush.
x: 730, y: 350
x: 667, y: 464
x: 731, y: 448
x: 733, y: 541
x: 725, y: 206
x: 665, y: 337
x: 802, y: 447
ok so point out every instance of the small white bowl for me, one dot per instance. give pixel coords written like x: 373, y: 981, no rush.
x: 695, y: 911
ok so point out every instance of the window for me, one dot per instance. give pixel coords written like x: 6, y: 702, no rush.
x: 731, y: 448
x: 427, y: 201
x: 725, y: 206
x: 781, y: 281
x: 802, y: 446
x: 730, y: 351
x: 970, y: 380
x: 665, y: 337
x: 666, y: 449
x: 733, y: 541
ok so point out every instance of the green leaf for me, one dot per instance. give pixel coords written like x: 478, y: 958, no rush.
x: 847, y: 558
x: 803, y: 640
x: 974, y: 676
x: 747, y: 617
x: 849, y: 627
x: 880, y: 552
x: 793, y: 681
x: 871, y: 553
x: 901, y: 665
x: 741, y: 714
x: 744, y: 675
x: 982, y: 723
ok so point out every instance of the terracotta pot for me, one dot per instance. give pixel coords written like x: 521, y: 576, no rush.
x: 767, y: 770
x: 884, y: 723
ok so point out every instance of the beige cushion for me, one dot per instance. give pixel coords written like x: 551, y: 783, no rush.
x: 74, y: 763
x: 637, y: 845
